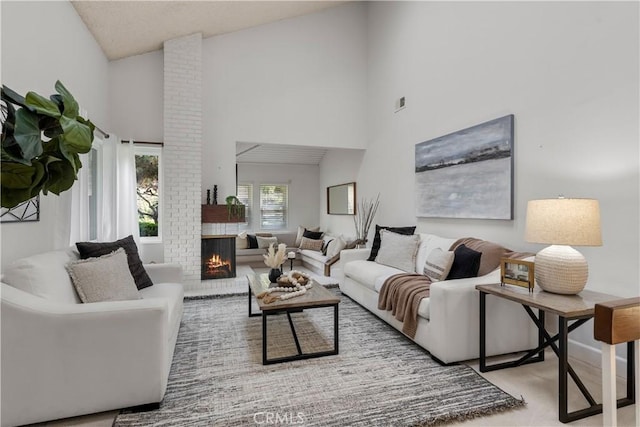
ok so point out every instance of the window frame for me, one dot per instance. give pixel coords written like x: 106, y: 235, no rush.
x: 245, y: 226
x: 286, y: 206
x: 153, y: 150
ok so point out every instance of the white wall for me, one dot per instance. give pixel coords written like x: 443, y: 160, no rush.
x: 136, y: 97
x: 303, y: 181
x: 299, y: 81
x: 569, y: 73
x: 339, y: 167
x: 43, y: 42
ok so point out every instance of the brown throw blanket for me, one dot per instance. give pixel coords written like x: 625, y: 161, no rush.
x: 402, y: 293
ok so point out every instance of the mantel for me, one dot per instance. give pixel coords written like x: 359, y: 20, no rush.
x: 220, y: 214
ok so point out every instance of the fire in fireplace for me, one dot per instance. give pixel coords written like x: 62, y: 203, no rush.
x: 218, y: 257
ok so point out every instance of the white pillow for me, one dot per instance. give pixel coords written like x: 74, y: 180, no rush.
x: 44, y: 275
x: 397, y: 250
x: 335, y: 246
x: 106, y: 278
x: 438, y: 264
x: 264, y: 242
x: 241, y: 241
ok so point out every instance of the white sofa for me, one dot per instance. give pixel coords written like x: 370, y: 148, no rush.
x: 448, y: 321
x: 62, y: 358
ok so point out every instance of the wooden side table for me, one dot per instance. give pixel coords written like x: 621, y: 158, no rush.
x: 616, y: 322
x: 577, y: 308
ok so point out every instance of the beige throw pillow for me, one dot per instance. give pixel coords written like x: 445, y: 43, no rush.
x: 106, y: 278
x: 399, y: 251
x: 314, y: 245
x: 438, y: 264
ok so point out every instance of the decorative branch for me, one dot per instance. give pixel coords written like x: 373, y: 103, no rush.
x: 275, y: 259
x: 363, y: 219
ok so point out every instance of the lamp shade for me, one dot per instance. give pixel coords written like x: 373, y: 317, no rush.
x: 563, y: 221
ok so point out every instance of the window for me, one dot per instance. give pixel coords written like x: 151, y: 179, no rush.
x: 273, y: 206
x: 245, y: 195
x: 148, y: 190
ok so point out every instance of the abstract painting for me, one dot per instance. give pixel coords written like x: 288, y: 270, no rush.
x: 468, y: 173
x: 25, y: 211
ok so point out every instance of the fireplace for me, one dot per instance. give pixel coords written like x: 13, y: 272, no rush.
x: 218, y: 257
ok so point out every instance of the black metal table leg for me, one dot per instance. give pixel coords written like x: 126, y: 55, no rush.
x: 483, y: 326
x: 293, y: 331
x: 300, y: 355
x: 335, y: 329
x: 264, y: 338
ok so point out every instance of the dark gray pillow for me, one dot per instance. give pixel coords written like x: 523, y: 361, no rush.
x: 375, y: 246
x: 95, y: 250
x: 313, y: 235
x: 466, y: 263
x: 253, y: 241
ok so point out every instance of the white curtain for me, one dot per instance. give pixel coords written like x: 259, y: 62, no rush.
x: 117, y: 207
x: 80, y: 192
x: 117, y: 213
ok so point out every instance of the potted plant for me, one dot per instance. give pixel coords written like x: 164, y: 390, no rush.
x: 363, y: 219
x: 235, y: 208
x: 41, y: 142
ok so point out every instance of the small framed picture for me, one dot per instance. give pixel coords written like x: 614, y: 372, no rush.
x: 517, y: 272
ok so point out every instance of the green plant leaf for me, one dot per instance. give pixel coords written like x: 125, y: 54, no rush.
x: 50, y: 126
x: 11, y: 96
x: 77, y: 137
x: 42, y: 105
x: 27, y: 134
x: 61, y: 176
x: 19, y: 183
x: 9, y: 122
x: 11, y: 151
x: 16, y: 175
x: 70, y: 104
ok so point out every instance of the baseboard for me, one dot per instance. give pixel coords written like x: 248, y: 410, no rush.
x: 593, y: 356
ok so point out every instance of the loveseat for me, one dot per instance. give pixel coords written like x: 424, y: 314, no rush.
x: 62, y: 358
x: 448, y: 320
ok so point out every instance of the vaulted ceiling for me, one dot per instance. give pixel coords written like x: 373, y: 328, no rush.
x: 126, y: 28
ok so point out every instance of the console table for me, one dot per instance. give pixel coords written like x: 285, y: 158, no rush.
x: 576, y: 308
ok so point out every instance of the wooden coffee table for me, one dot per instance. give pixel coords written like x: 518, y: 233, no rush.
x: 316, y: 297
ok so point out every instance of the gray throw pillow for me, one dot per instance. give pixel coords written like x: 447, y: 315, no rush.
x: 399, y: 251
x: 264, y: 242
x: 106, y: 278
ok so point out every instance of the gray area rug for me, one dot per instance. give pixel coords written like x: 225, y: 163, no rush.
x: 379, y: 378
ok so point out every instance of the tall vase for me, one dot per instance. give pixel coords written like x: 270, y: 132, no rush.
x: 274, y: 273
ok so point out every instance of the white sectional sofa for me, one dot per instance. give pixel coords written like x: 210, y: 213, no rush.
x: 62, y: 358
x: 448, y: 321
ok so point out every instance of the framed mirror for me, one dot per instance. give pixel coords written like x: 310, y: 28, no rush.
x: 341, y: 199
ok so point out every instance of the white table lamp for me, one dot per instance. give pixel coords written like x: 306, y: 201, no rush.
x: 562, y: 222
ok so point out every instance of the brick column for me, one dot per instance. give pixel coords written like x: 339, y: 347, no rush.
x: 182, y: 153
